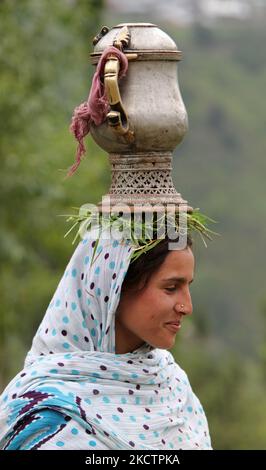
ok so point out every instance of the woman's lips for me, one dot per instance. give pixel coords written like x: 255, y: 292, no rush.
x: 173, y: 326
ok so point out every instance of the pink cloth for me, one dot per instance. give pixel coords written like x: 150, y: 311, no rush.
x: 96, y: 107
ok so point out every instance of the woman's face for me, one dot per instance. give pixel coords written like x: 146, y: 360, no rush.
x: 146, y: 315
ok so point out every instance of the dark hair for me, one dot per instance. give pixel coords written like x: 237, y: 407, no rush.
x: 148, y: 263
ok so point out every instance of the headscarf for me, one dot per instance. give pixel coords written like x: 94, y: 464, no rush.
x: 76, y: 393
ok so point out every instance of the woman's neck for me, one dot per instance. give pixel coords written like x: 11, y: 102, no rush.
x: 125, y: 340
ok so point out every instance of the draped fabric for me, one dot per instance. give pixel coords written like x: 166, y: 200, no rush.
x: 95, y: 109
x: 76, y: 393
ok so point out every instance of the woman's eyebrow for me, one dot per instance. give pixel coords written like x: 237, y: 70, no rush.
x: 182, y: 280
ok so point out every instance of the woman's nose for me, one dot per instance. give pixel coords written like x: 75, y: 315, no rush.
x: 188, y: 310
x: 184, y: 304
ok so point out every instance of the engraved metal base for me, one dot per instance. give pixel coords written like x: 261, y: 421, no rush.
x: 143, y: 179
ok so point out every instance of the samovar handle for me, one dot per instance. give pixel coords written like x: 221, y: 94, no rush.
x: 117, y: 117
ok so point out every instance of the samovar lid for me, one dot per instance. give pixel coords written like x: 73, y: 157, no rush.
x: 147, y: 42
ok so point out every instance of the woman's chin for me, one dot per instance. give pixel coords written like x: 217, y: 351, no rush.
x: 166, y: 343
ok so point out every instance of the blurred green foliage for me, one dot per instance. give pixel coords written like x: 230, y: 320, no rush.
x: 220, y: 168
x: 45, y: 73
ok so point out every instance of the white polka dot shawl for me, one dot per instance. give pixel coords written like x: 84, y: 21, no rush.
x: 76, y: 393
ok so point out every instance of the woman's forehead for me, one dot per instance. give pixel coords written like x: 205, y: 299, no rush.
x: 177, y: 264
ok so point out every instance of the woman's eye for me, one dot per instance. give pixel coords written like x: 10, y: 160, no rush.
x: 170, y: 289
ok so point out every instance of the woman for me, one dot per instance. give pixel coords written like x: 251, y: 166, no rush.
x: 98, y: 375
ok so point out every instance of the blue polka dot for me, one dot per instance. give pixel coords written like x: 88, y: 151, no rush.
x: 84, y: 324
x: 115, y: 375
x: 87, y: 400
x: 74, y: 272
x: 73, y: 305
x: 99, y: 249
x: 97, y: 270
x: 134, y: 376
x: 53, y: 371
x: 84, y: 241
x: 75, y: 372
x: 87, y: 259
x: 95, y: 374
x: 84, y: 314
x: 121, y: 264
x: 18, y: 384
x: 58, y: 302
x: 115, y: 418
x: 132, y: 418
x: 5, y: 398
x: 66, y: 345
x: 93, y: 332
x: 68, y: 356
x: 60, y: 443
x: 65, y: 319
x: 34, y: 372
x: 79, y: 293
x: 106, y: 400
x: 98, y: 291
x: 54, y: 332
x: 190, y: 409
x: 141, y: 436
x: 112, y: 265
x: 88, y: 301
x: 115, y: 243
x: 92, y: 443
x: 75, y: 338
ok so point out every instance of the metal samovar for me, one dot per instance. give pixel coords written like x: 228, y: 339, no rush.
x: 147, y: 117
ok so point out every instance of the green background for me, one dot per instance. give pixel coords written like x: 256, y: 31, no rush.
x: 220, y: 167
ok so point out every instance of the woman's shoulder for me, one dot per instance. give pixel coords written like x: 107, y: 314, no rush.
x: 182, y: 375
x: 35, y: 429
